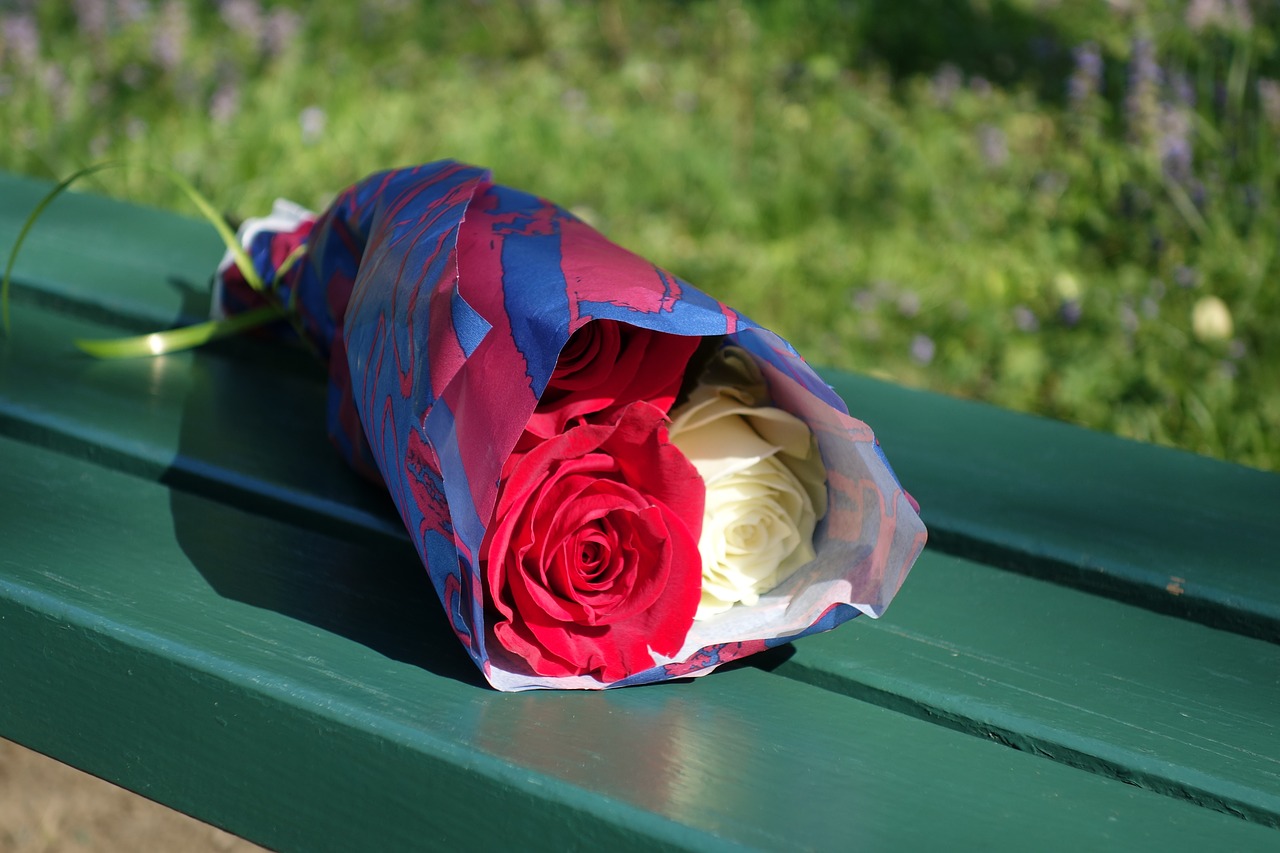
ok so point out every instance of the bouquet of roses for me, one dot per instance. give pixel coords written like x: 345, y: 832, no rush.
x: 610, y: 477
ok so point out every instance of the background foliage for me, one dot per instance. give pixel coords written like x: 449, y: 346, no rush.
x: 1068, y: 208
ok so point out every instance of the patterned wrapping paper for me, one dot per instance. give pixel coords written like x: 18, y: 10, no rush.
x: 443, y: 300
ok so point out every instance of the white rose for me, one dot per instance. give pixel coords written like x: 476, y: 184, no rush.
x: 766, y: 486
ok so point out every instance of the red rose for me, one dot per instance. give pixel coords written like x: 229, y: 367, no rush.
x: 607, y: 365
x: 591, y: 561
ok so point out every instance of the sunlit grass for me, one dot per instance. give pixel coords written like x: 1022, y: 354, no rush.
x: 974, y: 200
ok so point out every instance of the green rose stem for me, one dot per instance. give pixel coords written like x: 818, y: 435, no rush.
x: 171, y: 340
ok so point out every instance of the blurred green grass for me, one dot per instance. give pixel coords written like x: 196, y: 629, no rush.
x: 1062, y: 207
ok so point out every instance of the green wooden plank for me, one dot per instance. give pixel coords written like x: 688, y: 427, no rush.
x: 137, y: 265
x: 1169, y: 530
x: 954, y: 626
x: 287, y: 685
x: 1136, y: 522
x: 195, y: 419
x: 1171, y: 706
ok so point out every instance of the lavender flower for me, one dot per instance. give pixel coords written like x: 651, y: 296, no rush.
x: 992, y: 144
x: 922, y: 348
x: 1269, y: 97
x: 169, y: 43
x: 909, y: 304
x: 1181, y: 91
x: 58, y: 88
x: 1086, y: 79
x: 1175, y: 144
x: 21, y: 38
x: 245, y: 18
x: 1230, y: 15
x: 1070, y: 312
x: 1185, y: 277
x: 1128, y: 318
x: 945, y: 84
x: 132, y: 11
x: 282, y: 27
x: 91, y: 15
x: 225, y: 103
x: 1140, y: 102
x: 1025, y: 319
x: 865, y: 300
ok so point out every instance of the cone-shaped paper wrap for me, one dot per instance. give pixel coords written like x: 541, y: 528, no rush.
x: 443, y: 302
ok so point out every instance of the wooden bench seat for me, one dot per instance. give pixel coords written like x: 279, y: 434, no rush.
x: 199, y: 602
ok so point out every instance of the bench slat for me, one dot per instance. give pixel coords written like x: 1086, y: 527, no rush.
x: 134, y: 264
x: 1169, y: 530
x: 1032, y: 664
x: 1161, y: 703
x: 171, y: 640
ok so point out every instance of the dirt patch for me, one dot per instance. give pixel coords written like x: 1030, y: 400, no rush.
x: 48, y: 807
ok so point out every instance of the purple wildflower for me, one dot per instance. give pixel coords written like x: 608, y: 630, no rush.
x: 945, y: 84
x: 245, y: 18
x: 92, y: 18
x: 99, y: 145
x: 1185, y: 277
x: 1140, y: 102
x: 58, y: 88
x: 1086, y: 80
x: 1070, y: 312
x: 1219, y: 14
x: 1175, y: 144
x: 1025, y: 319
x: 169, y: 43
x: 132, y: 11
x: 923, y: 348
x: 865, y: 299
x: 21, y: 38
x: 281, y: 28
x: 992, y: 144
x: 1269, y: 97
x: 1128, y: 317
x: 1181, y: 91
x: 225, y: 103
x: 909, y: 304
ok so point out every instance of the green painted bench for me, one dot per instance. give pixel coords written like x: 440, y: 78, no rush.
x: 232, y: 624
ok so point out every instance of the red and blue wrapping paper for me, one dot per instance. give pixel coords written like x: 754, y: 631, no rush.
x: 443, y: 300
